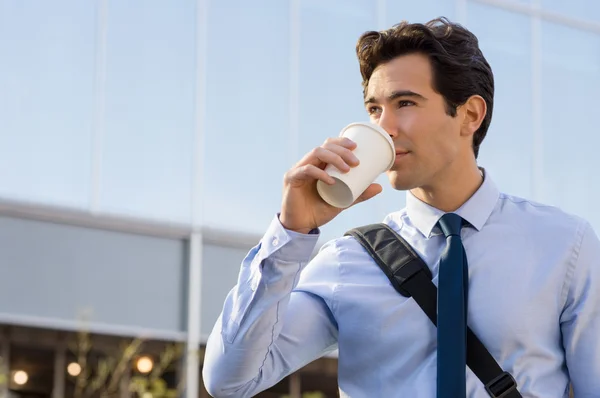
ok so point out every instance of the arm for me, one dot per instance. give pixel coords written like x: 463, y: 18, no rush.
x: 580, y: 320
x: 267, y: 330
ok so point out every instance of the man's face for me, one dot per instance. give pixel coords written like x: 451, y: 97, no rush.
x: 400, y: 98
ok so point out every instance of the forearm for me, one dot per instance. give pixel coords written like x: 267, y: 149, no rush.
x: 256, y: 340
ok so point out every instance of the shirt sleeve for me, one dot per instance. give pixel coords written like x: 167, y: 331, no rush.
x: 580, y: 320
x: 268, y: 328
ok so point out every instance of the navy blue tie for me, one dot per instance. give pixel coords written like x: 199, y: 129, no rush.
x: 452, y: 312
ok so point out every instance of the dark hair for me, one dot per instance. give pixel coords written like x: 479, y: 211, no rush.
x: 459, y: 68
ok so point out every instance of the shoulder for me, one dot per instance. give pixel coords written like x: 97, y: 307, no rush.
x: 538, y: 217
x: 346, y: 249
x: 348, y: 252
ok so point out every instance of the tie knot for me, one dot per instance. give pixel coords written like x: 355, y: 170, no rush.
x: 451, y: 224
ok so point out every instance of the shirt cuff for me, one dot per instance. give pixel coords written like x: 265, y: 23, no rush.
x: 287, y: 245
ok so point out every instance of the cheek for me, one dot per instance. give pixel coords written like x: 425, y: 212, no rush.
x: 432, y: 138
x: 412, y: 125
x: 419, y: 129
x: 409, y: 119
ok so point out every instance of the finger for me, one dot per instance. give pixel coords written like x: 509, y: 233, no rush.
x: 321, y: 157
x: 371, y: 191
x: 309, y: 172
x: 346, y: 154
x: 341, y: 141
x: 310, y: 157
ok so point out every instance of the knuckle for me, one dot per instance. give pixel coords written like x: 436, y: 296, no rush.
x: 288, y: 175
x: 305, y: 169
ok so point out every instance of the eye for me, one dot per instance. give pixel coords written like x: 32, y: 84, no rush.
x: 404, y: 103
x: 372, y: 110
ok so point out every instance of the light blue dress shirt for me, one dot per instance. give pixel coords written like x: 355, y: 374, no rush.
x: 534, y: 302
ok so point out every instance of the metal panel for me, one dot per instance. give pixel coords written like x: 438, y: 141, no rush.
x: 51, y: 274
x: 221, y: 267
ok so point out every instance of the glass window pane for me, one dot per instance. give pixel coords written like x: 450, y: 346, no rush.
x: 32, y: 371
x: 570, y: 85
x: 584, y: 9
x: 150, y: 99
x: 46, y: 100
x: 508, y: 147
x: 418, y: 11
x: 247, y: 123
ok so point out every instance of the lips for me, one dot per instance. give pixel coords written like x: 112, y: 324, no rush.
x: 400, y: 152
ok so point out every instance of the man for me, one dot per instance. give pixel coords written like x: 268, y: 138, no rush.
x: 533, y: 271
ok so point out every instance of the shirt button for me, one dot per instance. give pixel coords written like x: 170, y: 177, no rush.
x: 275, y: 242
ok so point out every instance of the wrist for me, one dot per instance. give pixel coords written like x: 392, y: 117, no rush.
x: 289, y: 227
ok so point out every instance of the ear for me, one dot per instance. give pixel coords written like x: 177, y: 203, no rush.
x: 473, y: 111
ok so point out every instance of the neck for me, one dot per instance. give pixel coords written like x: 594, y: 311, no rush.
x: 452, y: 189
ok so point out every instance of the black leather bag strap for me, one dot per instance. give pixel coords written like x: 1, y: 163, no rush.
x: 411, y: 277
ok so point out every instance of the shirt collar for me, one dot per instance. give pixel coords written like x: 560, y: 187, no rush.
x: 475, y: 211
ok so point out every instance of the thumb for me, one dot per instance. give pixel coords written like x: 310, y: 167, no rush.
x: 371, y: 191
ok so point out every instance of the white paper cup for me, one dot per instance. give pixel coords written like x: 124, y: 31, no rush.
x: 376, y: 153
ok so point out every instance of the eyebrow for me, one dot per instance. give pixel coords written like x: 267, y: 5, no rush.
x: 397, y: 94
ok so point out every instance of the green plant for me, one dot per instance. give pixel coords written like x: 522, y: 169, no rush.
x: 112, y: 371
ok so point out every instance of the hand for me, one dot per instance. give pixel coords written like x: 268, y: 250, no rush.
x: 302, y: 208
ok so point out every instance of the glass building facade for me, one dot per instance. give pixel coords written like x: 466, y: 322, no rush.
x: 143, y: 143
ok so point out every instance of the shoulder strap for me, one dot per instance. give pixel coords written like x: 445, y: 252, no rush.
x: 411, y: 277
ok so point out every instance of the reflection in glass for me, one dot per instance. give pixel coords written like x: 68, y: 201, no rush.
x: 150, y: 109
x: 419, y: 11
x: 247, y: 123
x: 507, y: 150
x: 570, y: 85
x: 46, y: 101
x: 588, y: 10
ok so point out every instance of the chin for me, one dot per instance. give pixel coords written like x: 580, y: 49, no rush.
x: 400, y: 182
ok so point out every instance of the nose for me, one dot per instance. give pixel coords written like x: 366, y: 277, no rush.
x: 387, y: 121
